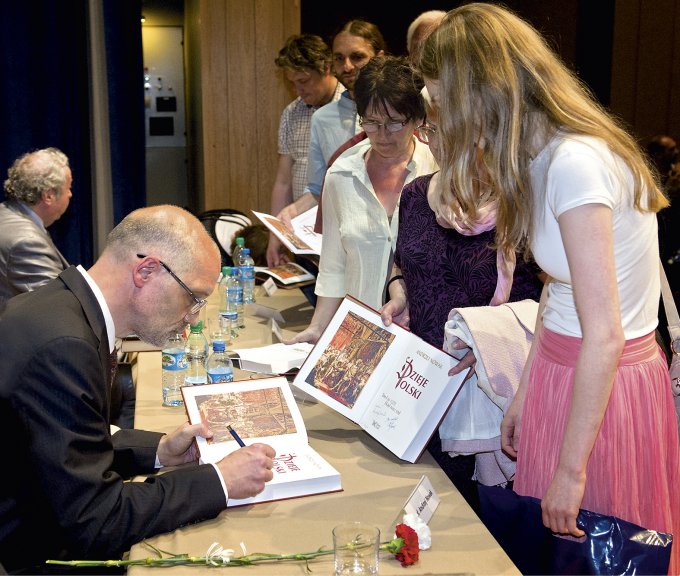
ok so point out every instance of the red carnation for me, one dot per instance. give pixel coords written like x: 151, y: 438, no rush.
x: 408, y: 554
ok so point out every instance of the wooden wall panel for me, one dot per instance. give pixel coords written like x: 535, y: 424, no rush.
x: 242, y: 98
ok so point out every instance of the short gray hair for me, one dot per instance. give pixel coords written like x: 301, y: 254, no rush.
x: 34, y: 173
x: 165, y: 231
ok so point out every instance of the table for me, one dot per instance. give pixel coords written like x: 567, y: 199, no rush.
x: 375, y: 483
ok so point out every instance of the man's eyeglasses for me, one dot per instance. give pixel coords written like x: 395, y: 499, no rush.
x: 370, y: 126
x: 198, y: 302
x: 425, y: 133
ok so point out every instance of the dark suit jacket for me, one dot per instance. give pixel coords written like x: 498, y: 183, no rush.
x: 63, y: 493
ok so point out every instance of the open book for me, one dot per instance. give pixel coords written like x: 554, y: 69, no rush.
x: 276, y: 358
x: 262, y: 410
x: 389, y: 381
x: 303, y: 239
x: 286, y: 274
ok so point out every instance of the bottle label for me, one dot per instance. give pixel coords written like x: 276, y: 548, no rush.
x: 235, y: 294
x: 247, y: 272
x: 174, y: 360
x: 221, y: 376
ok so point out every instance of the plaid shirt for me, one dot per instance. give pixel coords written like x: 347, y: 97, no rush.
x: 294, y: 135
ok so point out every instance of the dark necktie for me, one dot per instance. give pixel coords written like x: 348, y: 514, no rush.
x: 113, y: 365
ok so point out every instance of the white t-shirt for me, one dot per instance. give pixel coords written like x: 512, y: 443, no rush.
x: 573, y: 171
x: 358, y: 238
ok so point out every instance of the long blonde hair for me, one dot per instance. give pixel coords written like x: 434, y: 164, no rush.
x: 500, y: 81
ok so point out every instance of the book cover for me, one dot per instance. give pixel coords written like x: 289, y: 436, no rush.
x: 303, y: 239
x: 262, y: 410
x: 276, y: 358
x: 286, y: 274
x: 384, y: 378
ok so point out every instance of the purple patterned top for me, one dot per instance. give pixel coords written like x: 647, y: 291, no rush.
x: 443, y: 269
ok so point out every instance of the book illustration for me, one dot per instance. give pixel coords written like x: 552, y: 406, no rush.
x: 254, y: 414
x: 302, y: 239
x: 288, y: 273
x: 283, y: 230
x: 350, y: 358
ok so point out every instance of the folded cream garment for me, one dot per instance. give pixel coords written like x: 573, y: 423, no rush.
x: 500, y: 337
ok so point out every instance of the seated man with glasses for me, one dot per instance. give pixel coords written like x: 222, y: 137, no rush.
x: 66, y: 489
x: 363, y: 187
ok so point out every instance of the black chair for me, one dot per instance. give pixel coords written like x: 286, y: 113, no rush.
x: 123, y: 397
x: 222, y: 224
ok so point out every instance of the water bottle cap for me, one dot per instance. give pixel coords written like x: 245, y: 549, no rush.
x: 219, y: 346
x: 245, y: 251
x: 198, y: 327
x: 225, y: 270
x: 240, y: 241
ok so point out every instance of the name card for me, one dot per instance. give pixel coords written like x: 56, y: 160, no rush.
x: 270, y: 286
x: 423, y: 501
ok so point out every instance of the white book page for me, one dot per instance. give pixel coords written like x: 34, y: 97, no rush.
x: 262, y: 410
x: 303, y: 226
x: 299, y: 472
x: 390, y: 382
x: 275, y: 358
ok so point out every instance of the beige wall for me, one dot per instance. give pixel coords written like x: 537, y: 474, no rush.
x: 239, y: 96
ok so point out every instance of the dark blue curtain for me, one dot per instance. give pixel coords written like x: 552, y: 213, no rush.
x: 44, y: 101
x: 125, y: 66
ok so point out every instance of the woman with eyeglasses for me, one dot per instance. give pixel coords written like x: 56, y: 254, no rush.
x: 363, y: 187
x: 442, y: 263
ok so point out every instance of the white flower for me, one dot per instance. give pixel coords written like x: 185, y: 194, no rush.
x: 217, y: 555
x: 422, y: 529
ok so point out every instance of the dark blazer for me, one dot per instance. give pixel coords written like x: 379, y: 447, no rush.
x: 63, y: 493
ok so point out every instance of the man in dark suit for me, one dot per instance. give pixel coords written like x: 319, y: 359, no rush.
x: 63, y: 492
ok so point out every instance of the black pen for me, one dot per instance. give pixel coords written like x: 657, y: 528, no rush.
x: 236, y: 436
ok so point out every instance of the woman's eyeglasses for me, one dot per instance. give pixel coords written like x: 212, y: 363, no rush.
x: 425, y: 133
x: 371, y: 126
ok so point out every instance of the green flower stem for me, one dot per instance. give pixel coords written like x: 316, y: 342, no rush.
x: 392, y: 546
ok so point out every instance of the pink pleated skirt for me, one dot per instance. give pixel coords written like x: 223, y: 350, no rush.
x: 634, y: 468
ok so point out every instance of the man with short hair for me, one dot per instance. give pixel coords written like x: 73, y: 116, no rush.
x: 306, y: 62
x: 355, y: 43
x: 65, y: 496
x: 38, y: 190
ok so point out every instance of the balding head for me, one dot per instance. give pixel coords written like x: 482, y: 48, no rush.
x: 167, y: 232
x: 418, y: 31
x: 141, y: 294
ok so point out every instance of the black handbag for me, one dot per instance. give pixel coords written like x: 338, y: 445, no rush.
x: 611, y: 545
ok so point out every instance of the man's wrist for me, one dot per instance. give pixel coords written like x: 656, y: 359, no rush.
x: 224, y: 486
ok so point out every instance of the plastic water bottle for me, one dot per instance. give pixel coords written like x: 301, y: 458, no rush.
x: 247, y: 276
x: 220, y: 367
x: 174, y: 370
x: 236, y: 253
x: 235, y: 297
x: 217, y: 325
x: 228, y: 327
x: 197, y: 353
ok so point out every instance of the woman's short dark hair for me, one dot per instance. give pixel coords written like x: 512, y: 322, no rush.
x: 389, y: 80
